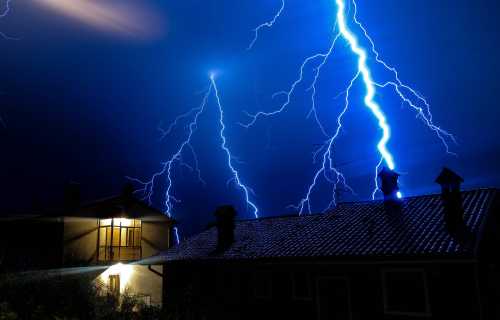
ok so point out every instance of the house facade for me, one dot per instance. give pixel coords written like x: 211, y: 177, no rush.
x: 424, y: 257
x: 112, y: 238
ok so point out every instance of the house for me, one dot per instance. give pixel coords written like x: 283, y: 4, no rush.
x: 424, y: 257
x: 111, y: 237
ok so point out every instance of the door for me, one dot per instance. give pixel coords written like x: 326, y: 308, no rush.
x: 332, y: 296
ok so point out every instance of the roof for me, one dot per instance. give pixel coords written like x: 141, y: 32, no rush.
x: 117, y: 206
x: 357, y: 229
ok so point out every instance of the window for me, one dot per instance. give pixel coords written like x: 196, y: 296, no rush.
x: 333, y: 298
x: 405, y: 292
x: 119, y: 239
x: 114, y: 284
x: 301, y: 286
x: 263, y: 285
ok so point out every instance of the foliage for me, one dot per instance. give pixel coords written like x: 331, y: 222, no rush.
x: 66, y: 298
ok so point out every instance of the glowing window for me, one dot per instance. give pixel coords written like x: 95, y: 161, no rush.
x: 119, y: 239
x: 114, y: 284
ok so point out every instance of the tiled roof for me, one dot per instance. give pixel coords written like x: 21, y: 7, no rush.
x: 357, y: 229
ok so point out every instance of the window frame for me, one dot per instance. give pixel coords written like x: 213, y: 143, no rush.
x: 426, y: 313
x: 112, y: 252
x: 259, y: 276
x: 347, y: 282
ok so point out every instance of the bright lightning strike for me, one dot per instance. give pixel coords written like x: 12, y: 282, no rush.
x: 168, y: 167
x: 236, y: 175
x: 407, y: 95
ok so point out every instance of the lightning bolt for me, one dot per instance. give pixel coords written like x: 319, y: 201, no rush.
x: 407, y: 94
x: 268, y: 24
x: 3, y: 13
x: 236, y: 175
x: 168, y: 167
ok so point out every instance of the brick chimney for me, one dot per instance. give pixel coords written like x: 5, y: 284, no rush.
x: 225, y: 226
x: 389, y: 184
x: 451, y: 197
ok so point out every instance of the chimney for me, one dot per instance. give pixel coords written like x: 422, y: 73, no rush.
x: 225, y: 226
x: 452, y: 201
x: 389, y: 185
x: 72, y: 195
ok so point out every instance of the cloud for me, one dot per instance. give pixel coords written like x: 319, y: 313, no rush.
x: 118, y: 17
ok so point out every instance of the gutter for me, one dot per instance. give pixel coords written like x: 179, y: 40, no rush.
x: 150, y: 268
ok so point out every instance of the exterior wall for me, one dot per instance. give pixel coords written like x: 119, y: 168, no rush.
x: 80, y: 240
x: 227, y: 290
x: 155, y: 237
x: 136, y: 280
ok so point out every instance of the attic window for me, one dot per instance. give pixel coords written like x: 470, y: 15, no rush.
x: 405, y: 292
x: 119, y: 239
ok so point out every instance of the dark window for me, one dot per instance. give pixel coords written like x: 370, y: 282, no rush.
x: 333, y: 299
x: 263, y: 285
x: 301, y: 286
x: 405, y: 292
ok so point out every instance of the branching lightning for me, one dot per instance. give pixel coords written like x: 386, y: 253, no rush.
x: 407, y: 95
x: 268, y: 24
x: 3, y: 13
x: 167, y: 169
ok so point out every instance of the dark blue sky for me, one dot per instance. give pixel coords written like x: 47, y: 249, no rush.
x: 84, y: 104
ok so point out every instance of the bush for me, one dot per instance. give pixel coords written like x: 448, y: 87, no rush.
x: 66, y: 298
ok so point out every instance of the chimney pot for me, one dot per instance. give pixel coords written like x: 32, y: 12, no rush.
x: 452, y: 201
x: 389, y: 184
x: 449, y: 180
x: 225, y: 216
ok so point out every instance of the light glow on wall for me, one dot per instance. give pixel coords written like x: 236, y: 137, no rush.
x: 125, y: 272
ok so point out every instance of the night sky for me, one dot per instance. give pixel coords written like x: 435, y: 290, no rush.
x: 82, y: 97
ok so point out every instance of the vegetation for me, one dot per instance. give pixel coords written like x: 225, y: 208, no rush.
x: 67, y: 298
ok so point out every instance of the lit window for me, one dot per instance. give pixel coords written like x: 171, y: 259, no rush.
x: 119, y: 239
x: 114, y: 284
x: 405, y: 292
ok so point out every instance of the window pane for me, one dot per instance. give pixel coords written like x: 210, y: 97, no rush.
x: 108, y: 236
x: 116, y: 236
x: 130, y: 237
x: 123, y: 237
x: 102, y: 236
x: 137, y: 237
x: 105, y: 222
x: 126, y: 222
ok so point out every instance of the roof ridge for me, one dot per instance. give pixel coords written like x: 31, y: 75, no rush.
x: 378, y: 201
